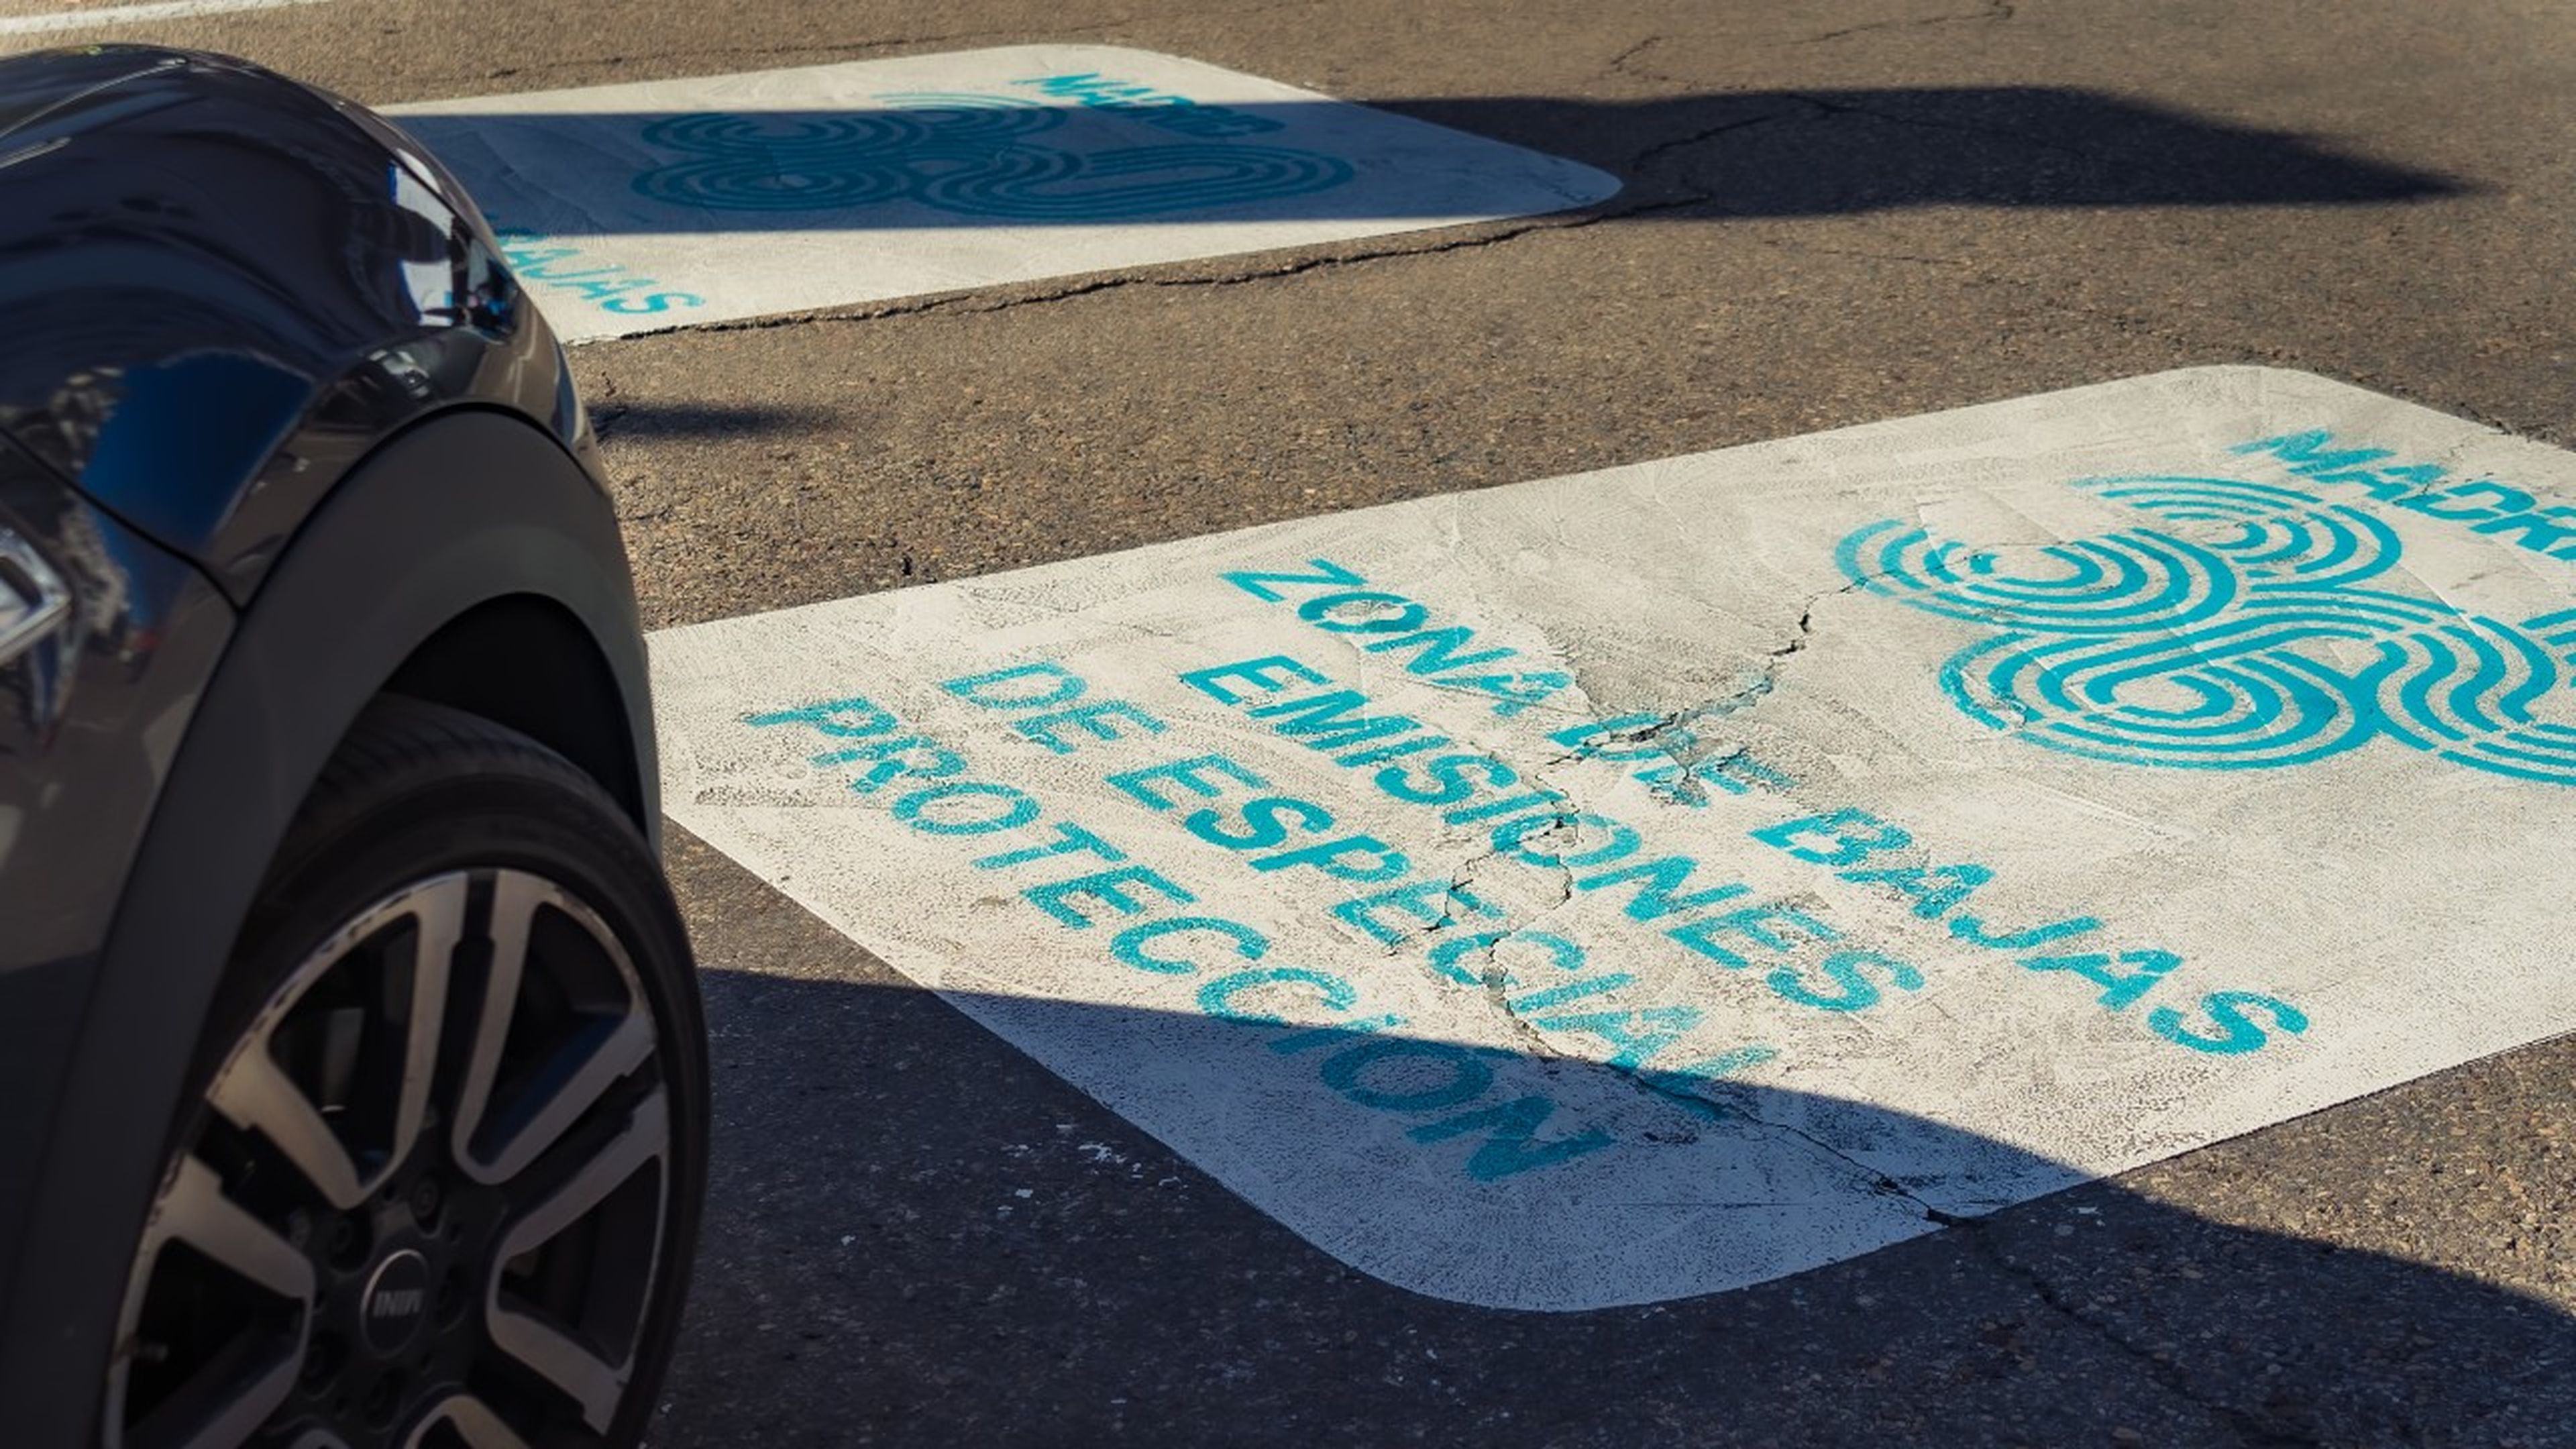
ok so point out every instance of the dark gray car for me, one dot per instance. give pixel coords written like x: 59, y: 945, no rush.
x: 352, y: 1086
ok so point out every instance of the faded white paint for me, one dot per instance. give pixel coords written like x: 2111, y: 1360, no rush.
x: 111, y: 15
x: 663, y: 203
x: 2400, y: 901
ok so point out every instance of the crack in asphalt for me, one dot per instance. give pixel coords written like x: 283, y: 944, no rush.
x: 1659, y: 150
x: 1527, y: 1030
x: 1998, y: 133
x: 1740, y: 699
x: 1995, y: 10
x: 971, y: 304
x: 1691, y: 756
x: 1911, y: 257
x: 2252, y: 1427
x: 1625, y: 62
x: 1620, y: 63
x: 1879, y: 1182
x: 603, y: 408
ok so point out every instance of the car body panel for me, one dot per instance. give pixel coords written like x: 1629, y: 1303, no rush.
x: 216, y: 273
x: 94, y: 697
x: 276, y: 416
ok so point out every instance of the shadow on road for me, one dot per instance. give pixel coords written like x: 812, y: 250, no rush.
x: 661, y: 420
x: 1804, y: 153
x: 917, y: 1235
x: 1838, y: 152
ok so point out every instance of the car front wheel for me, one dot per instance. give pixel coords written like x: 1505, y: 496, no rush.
x: 438, y: 1183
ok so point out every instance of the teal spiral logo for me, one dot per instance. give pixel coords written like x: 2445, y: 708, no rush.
x: 967, y: 155
x: 2258, y: 632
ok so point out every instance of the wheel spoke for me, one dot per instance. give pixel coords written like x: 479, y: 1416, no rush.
x: 194, y: 1211
x: 256, y: 1093
x: 611, y: 1040
x: 471, y: 1420
x: 197, y: 1213
x: 257, y: 1096
x: 553, y: 1355
x: 238, y: 1419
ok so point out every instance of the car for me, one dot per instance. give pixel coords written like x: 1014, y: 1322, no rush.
x: 353, y: 1085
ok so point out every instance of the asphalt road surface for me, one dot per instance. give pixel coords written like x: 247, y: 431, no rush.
x: 1834, y: 211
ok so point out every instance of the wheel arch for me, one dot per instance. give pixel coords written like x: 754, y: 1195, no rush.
x: 527, y: 662
x: 472, y: 530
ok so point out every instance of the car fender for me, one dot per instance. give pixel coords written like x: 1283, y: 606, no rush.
x: 226, y: 288
x: 470, y: 507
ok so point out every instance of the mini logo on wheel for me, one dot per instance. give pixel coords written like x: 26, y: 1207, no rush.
x: 394, y: 1302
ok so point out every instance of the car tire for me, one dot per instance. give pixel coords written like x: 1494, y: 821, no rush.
x: 438, y: 1175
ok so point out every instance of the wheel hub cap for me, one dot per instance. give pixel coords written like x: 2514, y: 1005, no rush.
x: 394, y: 1303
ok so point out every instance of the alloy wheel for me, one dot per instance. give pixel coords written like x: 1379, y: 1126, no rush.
x: 426, y: 1199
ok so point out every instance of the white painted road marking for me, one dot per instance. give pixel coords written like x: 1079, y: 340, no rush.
x: 633, y: 208
x: 1635, y: 885
x: 134, y: 14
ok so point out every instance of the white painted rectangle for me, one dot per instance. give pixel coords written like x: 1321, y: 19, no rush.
x: 632, y: 208
x: 2064, y: 783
